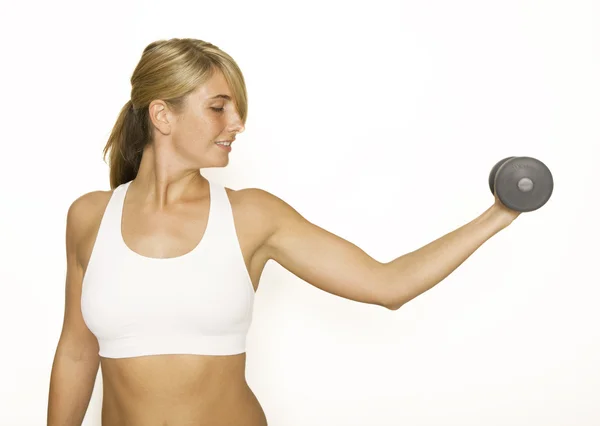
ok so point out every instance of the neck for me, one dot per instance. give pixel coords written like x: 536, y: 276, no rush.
x: 162, y: 182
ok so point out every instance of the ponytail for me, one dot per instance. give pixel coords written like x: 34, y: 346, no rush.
x: 126, y: 143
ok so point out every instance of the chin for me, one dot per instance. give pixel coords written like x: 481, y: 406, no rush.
x: 221, y: 162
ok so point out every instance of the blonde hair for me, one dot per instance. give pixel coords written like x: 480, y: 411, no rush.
x: 168, y: 70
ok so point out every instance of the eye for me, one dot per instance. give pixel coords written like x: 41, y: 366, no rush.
x: 218, y: 109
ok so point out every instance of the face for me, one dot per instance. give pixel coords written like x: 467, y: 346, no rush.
x: 205, y: 120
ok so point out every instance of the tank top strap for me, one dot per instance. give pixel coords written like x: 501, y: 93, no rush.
x: 109, y: 233
x: 222, y: 224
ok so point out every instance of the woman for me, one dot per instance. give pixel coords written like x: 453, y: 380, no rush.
x: 162, y: 270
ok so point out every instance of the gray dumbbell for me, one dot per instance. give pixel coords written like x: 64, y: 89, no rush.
x: 523, y: 184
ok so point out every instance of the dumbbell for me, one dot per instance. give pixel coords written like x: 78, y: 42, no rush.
x: 522, y: 184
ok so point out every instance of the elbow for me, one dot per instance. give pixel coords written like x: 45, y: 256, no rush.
x: 390, y: 295
x: 393, y: 306
x: 391, y: 301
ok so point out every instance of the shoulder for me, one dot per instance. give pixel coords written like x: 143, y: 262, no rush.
x: 265, y: 207
x: 84, y: 212
x: 261, y: 201
x: 88, y: 204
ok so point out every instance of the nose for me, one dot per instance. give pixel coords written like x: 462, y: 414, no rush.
x: 238, y: 127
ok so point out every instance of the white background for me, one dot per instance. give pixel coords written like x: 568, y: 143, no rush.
x: 378, y: 121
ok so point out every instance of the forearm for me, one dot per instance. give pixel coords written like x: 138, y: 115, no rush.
x: 414, y: 273
x: 71, y: 385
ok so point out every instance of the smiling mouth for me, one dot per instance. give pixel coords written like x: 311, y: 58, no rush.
x: 224, y: 147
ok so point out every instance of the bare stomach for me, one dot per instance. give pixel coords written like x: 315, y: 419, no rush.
x: 178, y: 390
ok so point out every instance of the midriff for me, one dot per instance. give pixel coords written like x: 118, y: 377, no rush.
x: 178, y: 390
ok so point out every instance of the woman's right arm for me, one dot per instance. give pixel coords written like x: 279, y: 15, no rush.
x: 76, y: 361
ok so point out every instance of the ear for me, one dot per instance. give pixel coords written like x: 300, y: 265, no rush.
x: 161, y: 116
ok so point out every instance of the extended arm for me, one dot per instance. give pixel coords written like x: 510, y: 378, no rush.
x: 414, y: 273
x: 339, y: 267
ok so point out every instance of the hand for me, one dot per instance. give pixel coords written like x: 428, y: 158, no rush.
x: 503, y: 214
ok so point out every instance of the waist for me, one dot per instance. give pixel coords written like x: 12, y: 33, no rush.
x: 175, y: 388
x: 165, y: 375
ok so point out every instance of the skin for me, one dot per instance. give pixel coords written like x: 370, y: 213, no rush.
x: 169, y: 194
x: 164, y: 215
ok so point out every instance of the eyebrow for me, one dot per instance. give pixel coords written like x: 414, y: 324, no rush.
x: 222, y: 96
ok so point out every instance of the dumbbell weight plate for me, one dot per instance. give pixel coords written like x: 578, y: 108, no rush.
x: 523, y: 184
x: 493, y: 172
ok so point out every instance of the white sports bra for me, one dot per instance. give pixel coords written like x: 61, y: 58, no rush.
x: 198, y: 303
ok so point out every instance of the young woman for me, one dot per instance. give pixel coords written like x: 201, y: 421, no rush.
x: 162, y: 270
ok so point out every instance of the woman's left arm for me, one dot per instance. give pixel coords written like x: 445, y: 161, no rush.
x: 339, y: 267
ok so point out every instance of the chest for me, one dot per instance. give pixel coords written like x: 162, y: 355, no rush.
x: 176, y: 233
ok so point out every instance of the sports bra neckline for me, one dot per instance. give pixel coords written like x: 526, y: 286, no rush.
x: 200, y: 244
